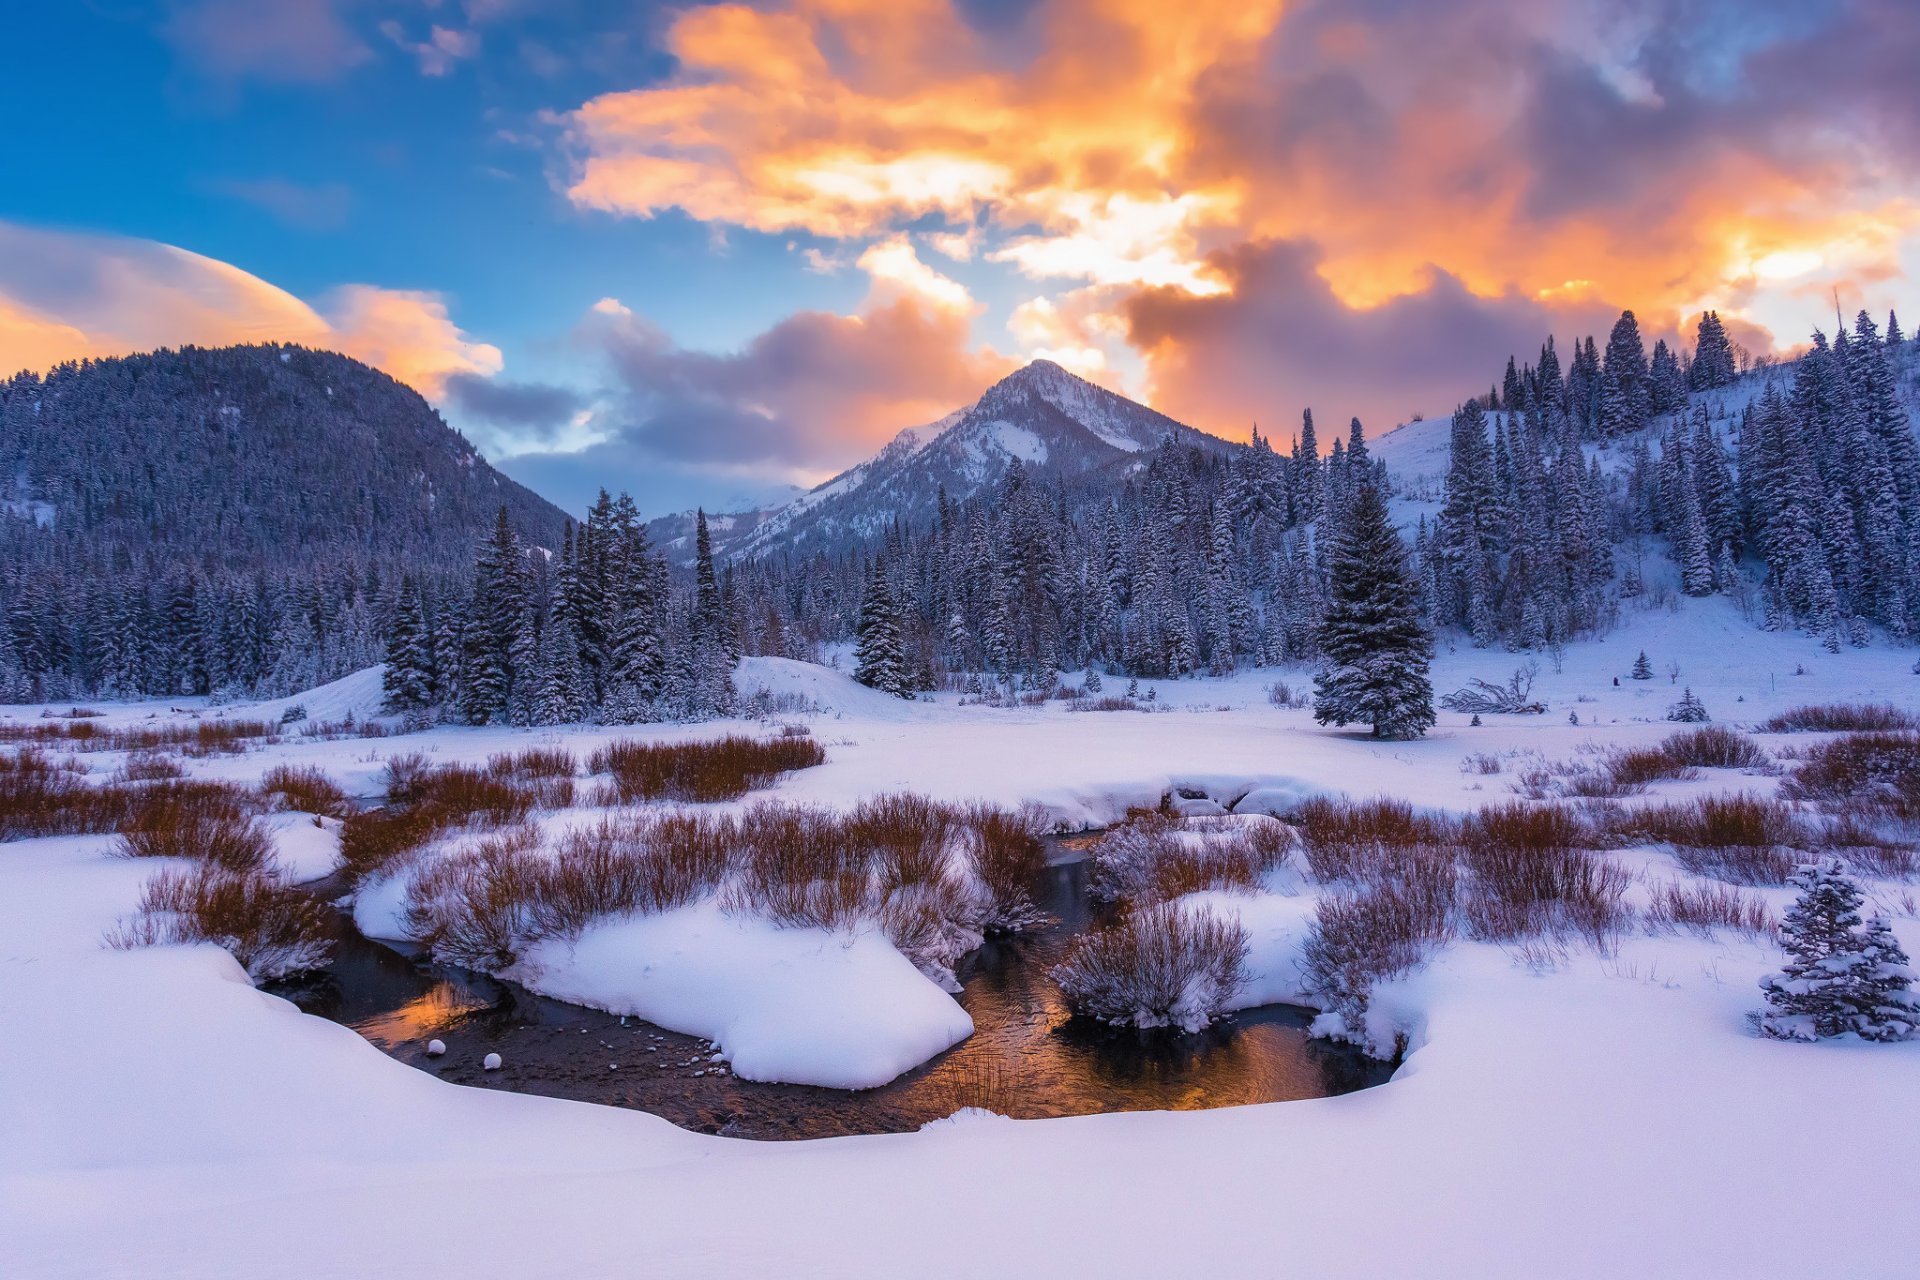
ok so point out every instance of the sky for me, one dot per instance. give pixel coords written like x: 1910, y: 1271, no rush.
x: 704, y: 252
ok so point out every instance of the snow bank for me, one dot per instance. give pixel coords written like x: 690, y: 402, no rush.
x: 802, y: 1006
x: 305, y: 846
x: 1275, y: 926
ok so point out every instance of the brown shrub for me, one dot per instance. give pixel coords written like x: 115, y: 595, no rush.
x: 473, y: 907
x: 377, y: 839
x: 903, y: 835
x: 1531, y: 874
x: 1878, y: 771
x: 305, y: 790
x: 1715, y: 747
x: 1706, y: 907
x: 534, y: 762
x: 150, y: 766
x: 42, y: 797
x: 1639, y: 766
x: 467, y: 793
x: 1355, y: 840
x: 716, y: 769
x: 630, y: 865
x: 1121, y: 861
x: 795, y: 868
x: 210, y: 821
x: 196, y: 738
x: 1008, y: 858
x: 1742, y: 838
x: 1841, y: 717
x: 272, y: 930
x: 1358, y: 940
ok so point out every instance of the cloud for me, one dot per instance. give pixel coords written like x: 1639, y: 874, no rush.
x: 1281, y: 340
x: 440, y: 51
x: 813, y: 393
x: 72, y: 295
x: 1651, y: 152
x: 322, y: 207
x: 280, y: 41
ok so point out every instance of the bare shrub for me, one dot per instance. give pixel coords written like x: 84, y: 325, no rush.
x: 1745, y: 839
x: 1530, y: 874
x: 473, y: 907
x: 534, y: 762
x: 1702, y: 908
x: 1121, y: 861
x: 1163, y: 966
x: 1353, y: 840
x: 1715, y: 747
x: 1863, y: 839
x: 1877, y: 771
x: 210, y: 821
x: 717, y: 769
x: 1110, y: 702
x: 1484, y: 763
x: 1639, y: 766
x: 629, y: 865
x: 795, y: 869
x: 42, y: 797
x: 1842, y: 717
x: 1360, y: 939
x: 375, y: 840
x: 272, y: 930
x: 1286, y: 697
x: 150, y: 766
x: 305, y: 791
x: 1008, y: 858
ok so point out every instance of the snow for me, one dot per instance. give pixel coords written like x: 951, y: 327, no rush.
x: 992, y: 440
x: 305, y: 846
x: 803, y: 1006
x: 1566, y: 1115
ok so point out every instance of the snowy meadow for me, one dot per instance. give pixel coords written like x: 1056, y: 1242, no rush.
x: 1553, y: 925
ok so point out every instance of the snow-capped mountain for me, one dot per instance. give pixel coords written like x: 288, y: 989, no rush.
x: 1053, y: 423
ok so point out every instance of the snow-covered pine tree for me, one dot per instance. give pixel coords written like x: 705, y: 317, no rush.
x: 1689, y: 710
x: 880, y: 655
x: 408, y: 682
x: 1376, y: 645
x: 1625, y: 403
x: 1839, y: 975
x: 1885, y: 1005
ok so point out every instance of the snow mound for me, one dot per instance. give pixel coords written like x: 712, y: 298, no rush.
x: 798, y: 1006
x: 305, y: 847
x: 815, y: 687
x: 357, y: 694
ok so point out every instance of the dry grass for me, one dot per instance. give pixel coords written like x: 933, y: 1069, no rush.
x: 698, y: 772
x: 1702, y: 908
x: 1842, y: 717
x: 1164, y: 966
x: 1532, y: 874
x: 209, y: 821
x: 1741, y: 838
x: 1359, y: 841
x: 305, y: 790
x: 272, y: 930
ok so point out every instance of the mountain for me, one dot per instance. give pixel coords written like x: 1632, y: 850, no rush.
x: 1058, y: 426
x: 251, y: 456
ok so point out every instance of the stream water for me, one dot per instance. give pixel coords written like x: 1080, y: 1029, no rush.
x: 1028, y: 1057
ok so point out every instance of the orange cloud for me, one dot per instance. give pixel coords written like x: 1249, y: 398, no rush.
x: 1536, y: 150
x: 71, y: 296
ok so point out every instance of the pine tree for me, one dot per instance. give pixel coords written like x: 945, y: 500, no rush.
x: 1839, y: 977
x: 879, y: 653
x: 1625, y: 402
x: 1885, y: 1005
x: 1689, y: 710
x: 408, y: 682
x: 1376, y: 646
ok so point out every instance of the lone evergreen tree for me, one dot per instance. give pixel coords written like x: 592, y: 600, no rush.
x: 1642, y: 669
x: 1376, y: 645
x: 881, y: 655
x: 1689, y: 710
x: 1839, y: 976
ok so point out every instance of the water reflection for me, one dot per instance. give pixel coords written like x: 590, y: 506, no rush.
x: 1028, y: 1057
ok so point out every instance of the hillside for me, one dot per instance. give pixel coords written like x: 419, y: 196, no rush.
x: 244, y: 456
x: 1056, y: 425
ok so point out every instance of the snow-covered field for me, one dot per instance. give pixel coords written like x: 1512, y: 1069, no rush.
x: 1587, y: 1116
